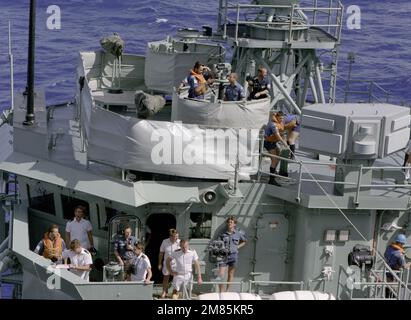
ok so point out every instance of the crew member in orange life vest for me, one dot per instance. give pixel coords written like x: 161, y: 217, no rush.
x: 394, y: 255
x: 197, y: 82
x: 52, y: 245
x: 272, y: 135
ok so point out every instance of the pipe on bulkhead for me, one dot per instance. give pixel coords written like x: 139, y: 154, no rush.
x: 6, y: 262
x: 4, y: 245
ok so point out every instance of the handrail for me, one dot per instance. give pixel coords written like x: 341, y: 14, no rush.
x: 373, y: 90
x: 395, y: 287
x: 357, y: 184
x: 296, y: 283
x: 333, y: 16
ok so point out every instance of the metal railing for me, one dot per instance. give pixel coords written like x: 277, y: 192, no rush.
x: 364, y: 90
x: 299, y: 284
x: 328, y: 17
x: 374, y: 283
x: 384, y: 288
x: 357, y: 184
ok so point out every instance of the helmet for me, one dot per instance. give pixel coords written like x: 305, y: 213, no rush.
x: 401, y: 238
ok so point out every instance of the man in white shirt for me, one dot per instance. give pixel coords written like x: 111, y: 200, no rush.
x: 140, y: 265
x: 183, y: 274
x: 80, y: 260
x: 167, y: 247
x: 80, y: 229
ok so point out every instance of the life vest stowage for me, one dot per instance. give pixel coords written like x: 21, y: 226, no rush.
x: 50, y: 250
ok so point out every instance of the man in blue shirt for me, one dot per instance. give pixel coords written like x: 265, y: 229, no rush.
x: 272, y: 137
x: 292, y: 126
x: 124, y: 248
x: 394, y: 256
x: 260, y: 86
x: 234, y: 91
x: 233, y: 239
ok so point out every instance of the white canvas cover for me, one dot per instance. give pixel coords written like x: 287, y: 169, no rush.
x: 170, y: 148
x: 164, y: 71
x: 167, y: 64
x: 223, y: 114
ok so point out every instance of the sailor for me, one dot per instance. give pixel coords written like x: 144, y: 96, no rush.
x: 124, y: 248
x: 260, y: 85
x: 80, y: 229
x: 394, y: 254
x: 168, y: 246
x: 197, y: 82
x: 233, y: 239
x: 52, y: 245
x: 184, y: 259
x: 407, y: 160
x: 80, y: 259
x: 272, y: 136
x: 292, y: 126
x: 140, y: 266
x: 234, y: 91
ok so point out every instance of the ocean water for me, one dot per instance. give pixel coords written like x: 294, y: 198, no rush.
x: 382, y: 45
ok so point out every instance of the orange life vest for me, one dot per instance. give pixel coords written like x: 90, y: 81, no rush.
x: 280, y: 129
x: 51, y: 250
x: 397, y: 247
x: 199, y: 77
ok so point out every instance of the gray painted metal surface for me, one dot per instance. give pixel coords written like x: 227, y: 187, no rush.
x: 299, y: 234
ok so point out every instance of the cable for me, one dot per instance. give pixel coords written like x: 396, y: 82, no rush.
x: 344, y: 215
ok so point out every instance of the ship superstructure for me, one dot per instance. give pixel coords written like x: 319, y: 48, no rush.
x: 345, y: 192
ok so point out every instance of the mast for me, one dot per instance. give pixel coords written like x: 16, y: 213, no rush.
x: 11, y: 71
x: 30, y: 66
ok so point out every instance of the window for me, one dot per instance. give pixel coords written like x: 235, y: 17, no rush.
x: 69, y: 203
x: 200, y: 225
x: 41, y: 199
x: 104, y: 218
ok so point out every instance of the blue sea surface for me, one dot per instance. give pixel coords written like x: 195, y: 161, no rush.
x: 382, y: 45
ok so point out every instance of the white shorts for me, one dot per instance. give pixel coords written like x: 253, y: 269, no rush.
x: 178, y: 280
x: 165, y: 271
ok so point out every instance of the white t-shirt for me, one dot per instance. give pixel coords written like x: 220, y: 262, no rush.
x: 82, y: 259
x: 168, y: 248
x: 184, y: 261
x: 140, y: 266
x: 78, y: 230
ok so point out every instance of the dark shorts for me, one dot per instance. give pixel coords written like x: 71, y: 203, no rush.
x: 297, y: 128
x: 127, y: 266
x: 230, y: 262
x: 270, y: 145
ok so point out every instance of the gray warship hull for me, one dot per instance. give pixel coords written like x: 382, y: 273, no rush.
x: 344, y: 188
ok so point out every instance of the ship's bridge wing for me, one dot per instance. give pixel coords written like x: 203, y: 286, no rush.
x: 133, y: 194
